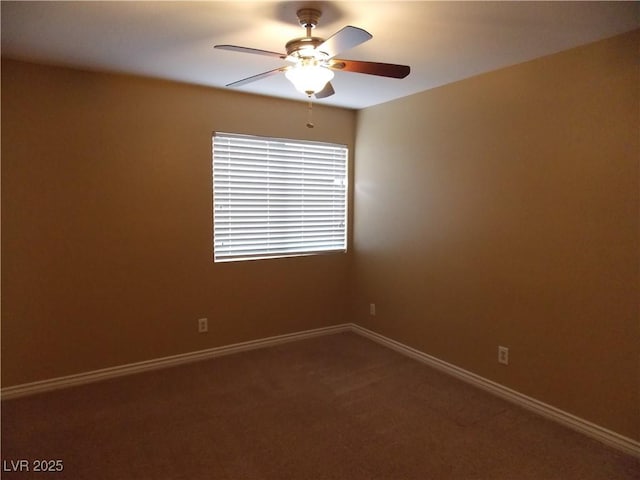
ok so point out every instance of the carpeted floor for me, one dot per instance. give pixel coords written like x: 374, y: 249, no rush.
x: 332, y: 407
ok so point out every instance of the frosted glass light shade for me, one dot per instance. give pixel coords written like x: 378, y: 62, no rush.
x: 309, y: 79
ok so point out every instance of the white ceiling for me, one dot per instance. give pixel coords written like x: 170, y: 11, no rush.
x: 442, y: 41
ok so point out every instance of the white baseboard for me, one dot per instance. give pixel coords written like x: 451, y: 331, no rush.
x: 597, y: 432
x: 158, y: 363
x: 585, y: 427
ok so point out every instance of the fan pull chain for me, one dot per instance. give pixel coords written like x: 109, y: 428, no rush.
x: 310, y: 114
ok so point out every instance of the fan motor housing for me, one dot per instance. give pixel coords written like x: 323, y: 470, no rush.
x: 304, y: 46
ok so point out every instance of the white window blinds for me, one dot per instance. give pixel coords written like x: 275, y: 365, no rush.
x: 275, y: 197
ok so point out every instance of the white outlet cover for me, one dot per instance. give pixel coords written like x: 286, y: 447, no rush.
x: 203, y: 325
x: 503, y: 355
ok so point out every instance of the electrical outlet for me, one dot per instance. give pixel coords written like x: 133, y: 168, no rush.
x: 203, y: 325
x: 372, y: 309
x: 503, y: 355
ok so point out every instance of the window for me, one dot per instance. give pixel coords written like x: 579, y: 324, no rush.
x: 275, y: 197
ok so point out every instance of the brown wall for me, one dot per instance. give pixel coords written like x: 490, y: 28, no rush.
x: 503, y: 210
x: 106, y: 224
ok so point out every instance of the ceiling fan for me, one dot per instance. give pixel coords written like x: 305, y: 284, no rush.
x: 312, y: 59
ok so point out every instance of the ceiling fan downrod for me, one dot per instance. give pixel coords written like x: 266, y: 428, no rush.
x: 304, y: 46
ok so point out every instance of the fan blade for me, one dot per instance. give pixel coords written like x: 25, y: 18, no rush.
x: 260, y: 76
x: 371, y: 68
x: 343, y: 40
x: 235, y: 48
x: 327, y: 91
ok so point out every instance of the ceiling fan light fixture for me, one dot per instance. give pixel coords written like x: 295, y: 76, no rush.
x: 313, y: 59
x: 309, y: 78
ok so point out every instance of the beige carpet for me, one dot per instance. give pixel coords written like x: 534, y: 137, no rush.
x: 339, y: 407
